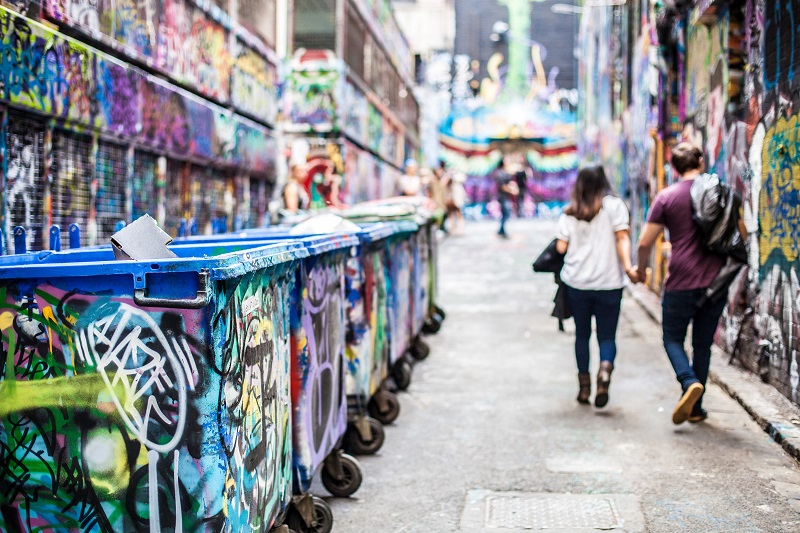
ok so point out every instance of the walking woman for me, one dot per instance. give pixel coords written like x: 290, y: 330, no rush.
x: 594, y: 234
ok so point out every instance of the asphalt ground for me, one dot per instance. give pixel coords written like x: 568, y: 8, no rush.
x: 493, y: 409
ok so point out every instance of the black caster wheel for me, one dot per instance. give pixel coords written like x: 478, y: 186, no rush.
x: 356, y: 443
x: 351, y: 477
x: 440, y: 312
x: 392, y: 408
x: 322, y: 522
x: 432, y: 325
x: 420, y: 350
x: 402, y: 374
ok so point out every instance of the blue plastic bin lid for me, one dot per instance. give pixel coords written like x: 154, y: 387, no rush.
x: 221, y: 263
x: 370, y: 231
x: 315, y: 244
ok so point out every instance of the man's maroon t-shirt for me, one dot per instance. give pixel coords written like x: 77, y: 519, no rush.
x: 690, y: 265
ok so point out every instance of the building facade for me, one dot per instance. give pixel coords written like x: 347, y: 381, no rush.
x: 475, y: 25
x: 349, y: 96
x: 181, y: 109
x: 111, y: 110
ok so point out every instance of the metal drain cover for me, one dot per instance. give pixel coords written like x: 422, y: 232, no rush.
x: 526, y: 511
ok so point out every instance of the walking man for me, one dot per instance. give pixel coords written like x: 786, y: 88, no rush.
x: 507, y: 190
x: 691, y: 270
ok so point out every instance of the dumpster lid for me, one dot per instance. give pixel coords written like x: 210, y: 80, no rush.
x: 190, y: 258
x: 376, y: 231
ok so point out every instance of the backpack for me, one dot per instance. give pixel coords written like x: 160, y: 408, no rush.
x: 715, y: 210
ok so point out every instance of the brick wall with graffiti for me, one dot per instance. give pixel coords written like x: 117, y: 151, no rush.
x: 119, y: 119
x: 759, y: 154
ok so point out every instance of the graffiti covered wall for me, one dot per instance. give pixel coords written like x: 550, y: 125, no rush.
x: 92, y: 93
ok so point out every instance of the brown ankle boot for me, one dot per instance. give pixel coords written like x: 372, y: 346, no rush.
x: 603, y: 382
x: 585, y: 382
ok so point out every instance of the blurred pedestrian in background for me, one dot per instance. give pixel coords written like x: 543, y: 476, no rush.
x: 593, y: 232
x: 456, y: 198
x: 507, y: 190
x: 295, y: 195
x: 410, y: 183
x: 437, y: 190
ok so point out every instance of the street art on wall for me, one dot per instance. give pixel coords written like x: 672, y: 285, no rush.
x: 312, y: 88
x: 175, y: 36
x: 117, y: 418
x: 51, y: 73
x: 356, y: 110
x: 24, y: 179
x: 707, y: 85
x: 254, y: 83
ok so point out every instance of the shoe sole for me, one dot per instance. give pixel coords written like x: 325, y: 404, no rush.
x: 601, y: 400
x: 686, y: 403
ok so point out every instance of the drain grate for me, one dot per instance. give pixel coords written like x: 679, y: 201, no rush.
x: 488, y: 511
x: 550, y: 512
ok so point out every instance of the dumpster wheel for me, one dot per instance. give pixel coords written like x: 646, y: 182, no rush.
x: 402, y: 374
x: 359, y: 445
x: 350, y: 477
x: 440, y: 312
x: 420, y: 349
x: 390, y: 411
x: 322, y: 521
x: 432, y: 325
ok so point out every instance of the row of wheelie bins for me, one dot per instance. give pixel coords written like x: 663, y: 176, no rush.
x: 207, y: 391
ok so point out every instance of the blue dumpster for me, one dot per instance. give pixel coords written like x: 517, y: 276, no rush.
x: 319, y: 401
x: 146, y: 395
x: 367, y: 323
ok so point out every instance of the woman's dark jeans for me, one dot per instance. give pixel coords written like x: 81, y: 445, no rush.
x: 679, y: 308
x: 604, y: 306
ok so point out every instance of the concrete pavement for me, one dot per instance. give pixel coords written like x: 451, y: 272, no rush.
x: 490, y: 437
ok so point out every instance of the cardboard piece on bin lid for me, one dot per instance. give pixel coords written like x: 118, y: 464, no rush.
x: 325, y: 223
x: 142, y: 239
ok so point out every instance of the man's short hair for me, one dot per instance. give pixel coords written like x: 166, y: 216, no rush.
x: 686, y: 157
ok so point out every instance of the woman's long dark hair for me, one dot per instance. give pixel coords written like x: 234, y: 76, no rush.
x: 587, y: 196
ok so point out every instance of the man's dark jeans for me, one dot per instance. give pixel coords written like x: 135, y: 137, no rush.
x: 679, y: 309
x: 604, y: 306
x: 505, y: 214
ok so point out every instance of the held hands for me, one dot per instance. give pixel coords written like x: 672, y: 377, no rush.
x: 636, y: 275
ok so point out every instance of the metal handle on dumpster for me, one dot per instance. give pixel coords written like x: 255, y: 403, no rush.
x: 198, y: 302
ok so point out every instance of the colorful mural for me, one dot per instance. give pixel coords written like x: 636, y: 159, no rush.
x: 312, y: 92
x: 119, y: 418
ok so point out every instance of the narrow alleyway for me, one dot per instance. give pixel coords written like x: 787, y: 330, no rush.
x: 493, y: 409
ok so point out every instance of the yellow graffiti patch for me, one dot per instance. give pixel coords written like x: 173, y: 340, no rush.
x: 75, y: 391
x: 779, y: 202
x: 6, y: 319
x: 106, y: 457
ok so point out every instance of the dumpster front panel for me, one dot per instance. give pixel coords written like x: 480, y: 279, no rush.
x: 421, y: 279
x: 376, y: 271
x: 400, y: 257
x: 318, y: 342
x: 252, y: 333
x: 358, y: 337
x: 433, y: 269
x: 366, y: 323
x: 114, y: 415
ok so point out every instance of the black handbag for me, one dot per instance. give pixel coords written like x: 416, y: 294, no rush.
x: 549, y: 260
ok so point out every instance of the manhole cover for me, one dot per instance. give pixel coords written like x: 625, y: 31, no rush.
x: 487, y: 511
x: 550, y: 512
